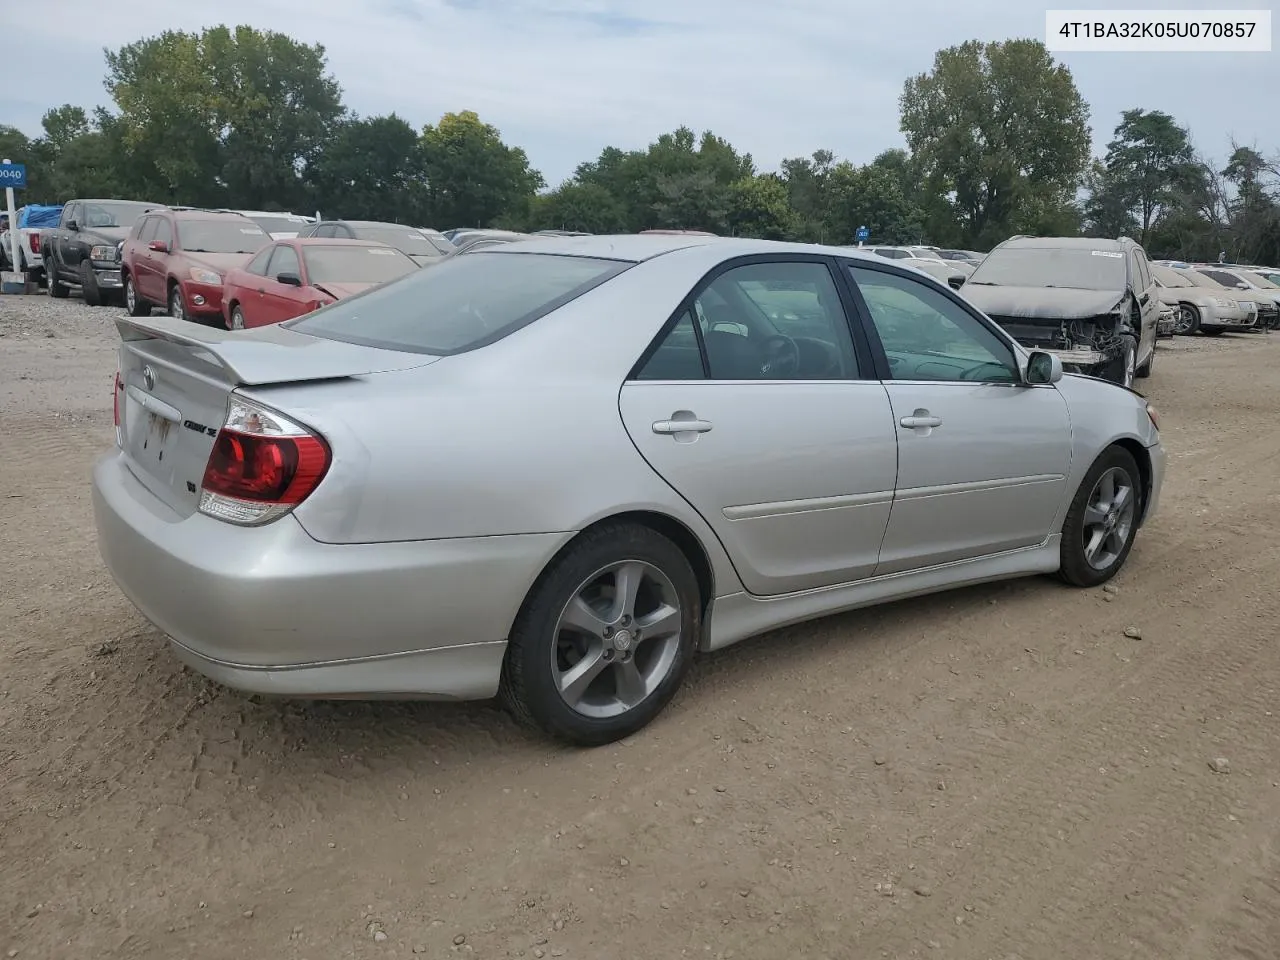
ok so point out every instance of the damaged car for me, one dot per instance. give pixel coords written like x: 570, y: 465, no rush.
x: 1092, y: 303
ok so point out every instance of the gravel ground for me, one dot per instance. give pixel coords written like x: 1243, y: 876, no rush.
x: 993, y: 772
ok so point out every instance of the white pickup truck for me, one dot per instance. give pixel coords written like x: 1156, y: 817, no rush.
x: 32, y: 219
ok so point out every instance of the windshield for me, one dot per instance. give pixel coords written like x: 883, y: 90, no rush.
x: 1079, y: 268
x: 1200, y: 280
x: 438, y: 240
x: 122, y: 214
x: 1228, y: 280
x: 221, y: 236
x: 1169, y: 278
x: 278, y: 224
x: 352, y: 264
x: 405, y: 239
x: 460, y: 303
x: 1260, y: 280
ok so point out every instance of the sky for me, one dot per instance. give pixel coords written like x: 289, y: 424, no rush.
x: 565, y: 78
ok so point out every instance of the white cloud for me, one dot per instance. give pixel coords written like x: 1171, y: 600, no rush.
x: 564, y: 78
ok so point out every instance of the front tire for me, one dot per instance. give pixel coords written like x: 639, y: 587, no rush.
x: 237, y: 318
x: 1102, y: 521
x: 177, y: 304
x: 605, y: 638
x: 1144, y: 371
x: 1124, y: 368
x: 89, y: 288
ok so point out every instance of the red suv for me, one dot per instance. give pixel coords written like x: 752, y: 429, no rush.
x: 177, y: 257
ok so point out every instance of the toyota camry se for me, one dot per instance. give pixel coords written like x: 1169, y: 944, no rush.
x: 556, y: 470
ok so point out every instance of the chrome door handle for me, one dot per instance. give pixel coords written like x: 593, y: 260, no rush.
x: 672, y: 427
x: 913, y: 423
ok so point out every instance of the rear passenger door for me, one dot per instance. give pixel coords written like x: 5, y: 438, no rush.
x: 1147, y: 295
x: 756, y: 405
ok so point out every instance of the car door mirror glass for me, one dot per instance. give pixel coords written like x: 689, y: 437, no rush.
x: 289, y: 279
x: 73, y: 226
x: 1043, y: 368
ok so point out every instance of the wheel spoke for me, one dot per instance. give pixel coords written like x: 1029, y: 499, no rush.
x: 626, y: 584
x: 1106, y: 488
x: 1094, y: 544
x: 631, y: 687
x: 575, y: 681
x: 580, y: 617
x: 1121, y: 498
x: 663, y: 622
x: 1094, y: 515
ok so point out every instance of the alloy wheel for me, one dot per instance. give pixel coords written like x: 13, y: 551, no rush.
x: 617, y: 639
x: 1109, y: 518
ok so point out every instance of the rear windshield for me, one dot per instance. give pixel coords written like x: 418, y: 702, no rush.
x: 460, y: 303
x: 405, y: 239
x: 240, y: 235
x: 1079, y: 268
x: 352, y: 264
x: 1168, y: 277
x: 279, y: 224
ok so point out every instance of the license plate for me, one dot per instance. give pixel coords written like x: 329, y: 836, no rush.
x: 148, y: 433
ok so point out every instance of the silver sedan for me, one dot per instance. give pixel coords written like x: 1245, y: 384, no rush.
x: 556, y: 470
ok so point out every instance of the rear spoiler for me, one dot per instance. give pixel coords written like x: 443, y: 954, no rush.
x: 272, y: 354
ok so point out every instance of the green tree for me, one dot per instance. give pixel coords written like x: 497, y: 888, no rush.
x: 758, y: 207
x: 589, y: 207
x: 473, y: 178
x: 1149, y: 162
x: 868, y: 196
x: 62, y: 125
x: 805, y: 179
x: 994, y: 126
x: 223, y: 113
x: 370, y: 169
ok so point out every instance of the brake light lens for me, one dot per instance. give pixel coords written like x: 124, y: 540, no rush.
x: 261, y: 467
x: 35, y: 242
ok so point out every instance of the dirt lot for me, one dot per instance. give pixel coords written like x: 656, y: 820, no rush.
x: 993, y: 773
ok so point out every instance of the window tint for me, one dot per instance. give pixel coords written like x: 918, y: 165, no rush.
x: 340, y: 263
x: 926, y: 336
x: 460, y: 303
x: 284, y: 260
x: 71, y: 212
x: 775, y: 321
x: 233, y: 235
x: 1226, y: 279
x: 678, y: 356
x: 258, y: 265
x: 164, y: 231
x: 146, y: 228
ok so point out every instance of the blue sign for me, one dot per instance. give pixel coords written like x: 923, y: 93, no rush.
x: 13, y: 175
x: 861, y: 234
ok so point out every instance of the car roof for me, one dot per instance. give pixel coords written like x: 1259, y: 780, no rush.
x: 373, y: 223
x: 206, y: 215
x: 635, y: 247
x: 1060, y: 243
x: 332, y: 242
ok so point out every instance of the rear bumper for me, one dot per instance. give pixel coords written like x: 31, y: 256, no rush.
x: 271, y: 610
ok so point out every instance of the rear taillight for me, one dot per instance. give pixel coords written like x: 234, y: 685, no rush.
x: 35, y: 242
x: 262, y: 466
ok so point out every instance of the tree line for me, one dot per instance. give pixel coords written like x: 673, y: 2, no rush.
x: 998, y: 143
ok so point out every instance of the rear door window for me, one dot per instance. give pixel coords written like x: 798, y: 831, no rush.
x: 460, y: 303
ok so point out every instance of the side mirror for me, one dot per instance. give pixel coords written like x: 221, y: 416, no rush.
x: 289, y: 279
x: 1043, y: 368
x: 955, y: 282
x: 73, y: 226
x: 159, y: 246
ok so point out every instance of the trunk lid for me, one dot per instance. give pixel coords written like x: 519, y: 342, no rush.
x: 176, y: 378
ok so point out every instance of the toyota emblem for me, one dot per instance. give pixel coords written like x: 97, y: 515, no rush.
x: 149, y: 377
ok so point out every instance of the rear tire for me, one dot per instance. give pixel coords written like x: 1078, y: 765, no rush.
x: 1098, y: 533
x: 544, y: 649
x: 57, y: 289
x: 134, y: 305
x: 1144, y: 371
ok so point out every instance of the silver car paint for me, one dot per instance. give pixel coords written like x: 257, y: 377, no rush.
x: 456, y: 481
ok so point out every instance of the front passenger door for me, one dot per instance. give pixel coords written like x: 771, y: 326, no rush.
x: 982, y: 459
